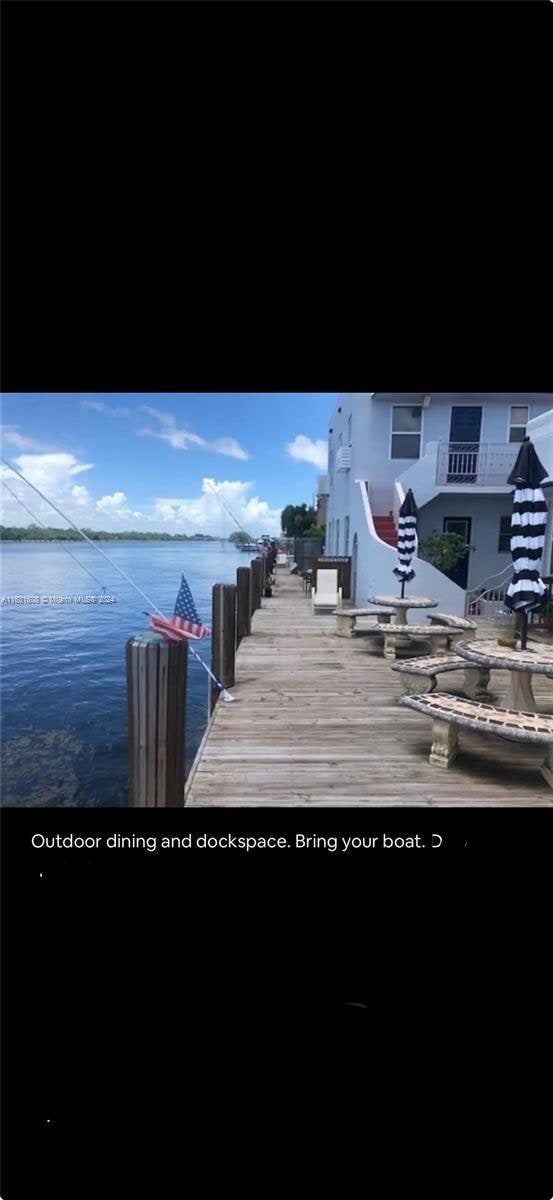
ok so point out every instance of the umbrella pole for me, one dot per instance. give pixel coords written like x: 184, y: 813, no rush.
x: 523, y: 629
x: 402, y: 589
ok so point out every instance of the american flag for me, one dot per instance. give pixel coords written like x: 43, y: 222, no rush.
x: 185, y: 622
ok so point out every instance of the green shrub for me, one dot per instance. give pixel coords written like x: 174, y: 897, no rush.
x: 444, y: 550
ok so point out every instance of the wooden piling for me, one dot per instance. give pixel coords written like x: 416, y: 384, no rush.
x: 256, y: 567
x: 252, y: 590
x: 243, y: 603
x: 223, y: 636
x: 156, y: 702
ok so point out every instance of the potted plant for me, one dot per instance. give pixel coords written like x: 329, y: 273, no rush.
x: 269, y: 584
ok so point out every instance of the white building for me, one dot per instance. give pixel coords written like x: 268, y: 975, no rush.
x: 455, y: 450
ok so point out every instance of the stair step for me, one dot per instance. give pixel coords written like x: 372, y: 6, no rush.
x: 386, y: 530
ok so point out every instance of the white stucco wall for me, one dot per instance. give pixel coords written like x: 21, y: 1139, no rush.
x: 371, y: 460
x: 540, y: 430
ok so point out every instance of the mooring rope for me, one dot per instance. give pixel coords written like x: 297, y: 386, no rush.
x: 224, y: 694
x: 226, y: 506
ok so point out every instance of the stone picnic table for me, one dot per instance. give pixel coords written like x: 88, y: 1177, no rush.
x: 401, y: 606
x: 521, y: 664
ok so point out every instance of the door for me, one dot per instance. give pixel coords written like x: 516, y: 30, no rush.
x: 464, y: 443
x: 461, y: 525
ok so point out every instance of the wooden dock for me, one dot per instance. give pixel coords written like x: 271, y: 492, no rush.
x: 316, y: 721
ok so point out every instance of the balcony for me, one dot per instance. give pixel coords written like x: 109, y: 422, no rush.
x: 484, y: 464
x: 343, y: 458
x: 323, y: 485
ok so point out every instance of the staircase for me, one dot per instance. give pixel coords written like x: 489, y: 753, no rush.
x: 386, y: 529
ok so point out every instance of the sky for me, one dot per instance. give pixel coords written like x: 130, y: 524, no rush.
x: 146, y: 461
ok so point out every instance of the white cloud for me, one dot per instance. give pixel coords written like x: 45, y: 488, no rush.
x: 81, y: 495
x: 229, y: 445
x: 54, y: 474
x: 182, y: 439
x: 205, y: 514
x: 51, y: 472
x: 303, y: 449
x: 112, y: 503
x: 12, y: 437
x: 57, y: 475
x: 165, y: 417
x: 101, y: 407
x: 179, y: 439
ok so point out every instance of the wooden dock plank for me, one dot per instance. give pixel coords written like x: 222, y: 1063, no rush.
x: 317, y: 721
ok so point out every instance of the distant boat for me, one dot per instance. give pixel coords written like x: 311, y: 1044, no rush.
x: 248, y: 547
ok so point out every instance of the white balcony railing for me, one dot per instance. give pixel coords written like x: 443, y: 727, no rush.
x: 485, y: 464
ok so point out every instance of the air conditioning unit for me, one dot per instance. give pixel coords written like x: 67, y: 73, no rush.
x: 343, y: 458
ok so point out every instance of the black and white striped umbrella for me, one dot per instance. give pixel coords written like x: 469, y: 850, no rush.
x: 527, y: 590
x: 406, y: 538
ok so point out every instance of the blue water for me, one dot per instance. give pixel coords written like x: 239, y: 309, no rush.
x: 64, y: 702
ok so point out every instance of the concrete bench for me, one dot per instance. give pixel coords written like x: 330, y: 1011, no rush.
x: 448, y: 619
x: 447, y: 713
x: 441, y: 635
x: 418, y: 675
x: 346, y: 619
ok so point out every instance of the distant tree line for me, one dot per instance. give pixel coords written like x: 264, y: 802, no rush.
x: 36, y: 533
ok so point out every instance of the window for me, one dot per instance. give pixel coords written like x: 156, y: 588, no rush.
x: 337, y: 551
x: 349, y: 430
x: 339, y: 440
x: 406, y: 431
x: 346, y: 536
x: 504, y: 535
x: 518, y: 423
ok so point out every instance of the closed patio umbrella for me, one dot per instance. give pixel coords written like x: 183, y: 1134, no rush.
x: 527, y: 591
x: 406, y: 540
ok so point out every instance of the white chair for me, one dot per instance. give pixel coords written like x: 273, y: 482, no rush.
x: 326, y: 594
x: 282, y: 559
